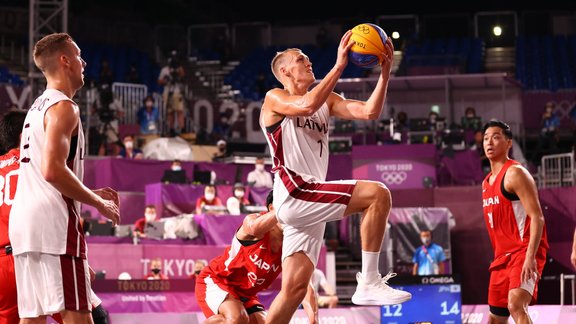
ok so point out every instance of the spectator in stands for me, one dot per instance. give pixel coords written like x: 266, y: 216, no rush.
x: 148, y: 117
x: 172, y: 78
x: 329, y: 298
x: 477, y: 145
x: 222, y: 150
x: 199, y: 264
x: 470, y: 121
x: 209, y: 199
x: 133, y: 76
x: 221, y: 127
x: 175, y: 174
x: 110, y: 111
x: 429, y: 257
x: 401, y: 128
x: 156, y: 270
x: 259, y: 177
x: 236, y: 203
x: 549, y: 138
x: 106, y: 76
x: 129, y: 151
x: 149, y: 216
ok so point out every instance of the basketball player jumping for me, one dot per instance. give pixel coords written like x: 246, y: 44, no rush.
x: 52, y: 273
x: 295, y: 121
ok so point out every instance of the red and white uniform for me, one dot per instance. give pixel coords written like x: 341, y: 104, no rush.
x: 304, y: 201
x: 45, y: 230
x: 245, y: 268
x: 509, y: 229
x: 9, y: 164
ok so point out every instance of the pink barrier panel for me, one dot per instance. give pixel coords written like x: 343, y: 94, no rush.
x: 397, y: 166
x: 544, y: 314
x: 178, y: 260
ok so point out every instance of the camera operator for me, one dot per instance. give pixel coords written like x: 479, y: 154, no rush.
x: 109, y: 110
x: 172, y: 79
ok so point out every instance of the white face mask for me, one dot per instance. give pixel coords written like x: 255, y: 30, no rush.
x: 150, y: 217
x: 260, y: 167
x: 176, y: 168
x: 425, y: 240
x: 239, y: 193
x: 149, y: 104
x: 129, y: 144
x: 209, y: 196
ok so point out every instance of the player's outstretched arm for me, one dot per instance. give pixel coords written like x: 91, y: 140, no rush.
x: 281, y: 102
x: 371, y: 108
x: 255, y: 225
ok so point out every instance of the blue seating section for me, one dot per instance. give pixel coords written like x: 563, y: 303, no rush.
x: 461, y: 55
x: 9, y: 78
x: 120, y: 58
x: 244, y: 76
x: 546, y: 62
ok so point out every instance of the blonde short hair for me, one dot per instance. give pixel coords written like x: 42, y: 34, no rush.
x: 48, y: 46
x: 279, y: 60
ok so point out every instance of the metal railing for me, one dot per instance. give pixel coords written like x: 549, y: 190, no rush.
x: 557, y: 170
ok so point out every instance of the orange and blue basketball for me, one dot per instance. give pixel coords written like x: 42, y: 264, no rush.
x: 368, y: 48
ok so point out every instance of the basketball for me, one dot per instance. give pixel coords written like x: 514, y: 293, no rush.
x: 368, y: 48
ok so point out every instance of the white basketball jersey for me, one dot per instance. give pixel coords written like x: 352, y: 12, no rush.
x: 42, y: 219
x: 300, y: 144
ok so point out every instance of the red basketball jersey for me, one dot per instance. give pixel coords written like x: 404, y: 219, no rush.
x: 247, y: 269
x: 9, y: 165
x: 506, y: 219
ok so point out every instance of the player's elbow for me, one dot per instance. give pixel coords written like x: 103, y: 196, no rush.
x: 49, y: 173
x: 372, y: 115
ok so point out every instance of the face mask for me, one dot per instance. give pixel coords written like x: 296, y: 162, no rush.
x: 150, y: 217
x: 149, y: 104
x: 470, y: 115
x: 197, y: 272
x: 260, y: 167
x: 209, y: 196
x: 239, y: 193
x: 156, y: 271
x: 129, y: 144
x: 425, y: 240
x: 176, y: 168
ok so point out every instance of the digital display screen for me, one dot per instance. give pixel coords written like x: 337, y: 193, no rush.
x: 431, y: 303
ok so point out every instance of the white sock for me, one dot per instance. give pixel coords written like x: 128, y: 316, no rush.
x: 370, y: 266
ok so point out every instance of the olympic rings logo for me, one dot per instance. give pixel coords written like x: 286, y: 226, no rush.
x: 394, y: 177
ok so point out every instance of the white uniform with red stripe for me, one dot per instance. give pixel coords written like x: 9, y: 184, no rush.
x: 45, y: 229
x: 304, y: 201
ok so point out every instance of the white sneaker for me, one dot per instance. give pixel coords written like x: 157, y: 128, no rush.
x: 378, y: 292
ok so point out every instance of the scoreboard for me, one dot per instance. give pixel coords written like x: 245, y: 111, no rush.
x: 435, y: 299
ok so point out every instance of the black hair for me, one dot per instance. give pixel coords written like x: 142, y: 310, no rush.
x: 11, y: 125
x: 269, y: 199
x: 500, y: 124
